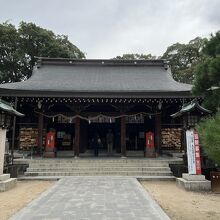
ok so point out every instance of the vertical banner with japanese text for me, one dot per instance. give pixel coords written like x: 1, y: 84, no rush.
x: 193, y: 152
x: 197, y: 152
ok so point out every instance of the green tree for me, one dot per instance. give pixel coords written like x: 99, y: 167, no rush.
x: 20, y: 47
x: 209, y: 132
x: 183, y: 59
x: 135, y: 56
x: 11, y: 57
x: 207, y: 74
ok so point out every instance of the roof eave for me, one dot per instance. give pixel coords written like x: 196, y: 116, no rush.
x: 116, y: 94
x: 6, y: 107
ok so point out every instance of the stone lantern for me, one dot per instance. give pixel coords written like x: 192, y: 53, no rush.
x: 7, y: 112
x: 190, y: 114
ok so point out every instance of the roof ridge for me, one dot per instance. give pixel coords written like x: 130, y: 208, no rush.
x: 100, y: 62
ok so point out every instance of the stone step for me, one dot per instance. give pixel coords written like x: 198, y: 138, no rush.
x: 98, y: 167
x: 57, y: 167
x: 147, y: 161
x: 100, y: 164
x: 69, y: 169
x: 55, y: 160
x: 46, y: 178
x: 141, y: 178
x: 96, y: 173
x: 98, y: 161
x: 156, y: 178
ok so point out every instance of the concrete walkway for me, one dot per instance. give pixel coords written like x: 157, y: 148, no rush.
x: 93, y: 198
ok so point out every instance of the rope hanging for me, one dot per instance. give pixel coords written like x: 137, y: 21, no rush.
x: 97, y: 116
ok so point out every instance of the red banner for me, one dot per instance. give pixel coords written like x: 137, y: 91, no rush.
x: 197, y: 153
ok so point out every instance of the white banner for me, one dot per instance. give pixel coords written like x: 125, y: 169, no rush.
x: 190, y: 151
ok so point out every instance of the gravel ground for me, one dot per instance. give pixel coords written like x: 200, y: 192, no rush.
x: 13, y: 200
x: 182, y: 205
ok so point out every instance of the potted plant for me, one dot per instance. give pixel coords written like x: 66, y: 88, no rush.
x: 209, y: 133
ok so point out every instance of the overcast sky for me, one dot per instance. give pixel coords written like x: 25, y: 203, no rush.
x: 107, y: 28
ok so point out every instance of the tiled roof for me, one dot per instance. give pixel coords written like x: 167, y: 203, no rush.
x: 100, y: 76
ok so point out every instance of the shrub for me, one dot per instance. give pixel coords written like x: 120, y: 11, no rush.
x: 209, y: 133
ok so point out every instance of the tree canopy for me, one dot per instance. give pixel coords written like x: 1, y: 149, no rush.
x: 135, y: 56
x: 183, y: 59
x: 207, y: 74
x: 20, y: 46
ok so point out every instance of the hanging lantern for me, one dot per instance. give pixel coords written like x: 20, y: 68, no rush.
x: 39, y: 104
x: 159, y: 105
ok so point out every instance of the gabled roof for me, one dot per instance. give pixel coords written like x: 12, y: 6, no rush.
x: 6, y: 107
x: 190, y: 107
x: 87, y: 77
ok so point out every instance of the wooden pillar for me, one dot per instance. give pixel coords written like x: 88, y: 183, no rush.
x: 77, y: 137
x: 123, y: 137
x: 158, y: 133
x: 185, y: 125
x: 40, y: 132
x: 13, y: 131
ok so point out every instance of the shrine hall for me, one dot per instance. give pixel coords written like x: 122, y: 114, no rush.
x: 78, y: 100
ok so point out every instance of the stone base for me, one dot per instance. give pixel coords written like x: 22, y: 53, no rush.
x: 150, y: 153
x: 49, y: 154
x: 6, y: 182
x: 193, y: 182
x: 4, y: 177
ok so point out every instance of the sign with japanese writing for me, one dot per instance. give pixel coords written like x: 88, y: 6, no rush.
x: 193, y: 152
x: 197, y: 152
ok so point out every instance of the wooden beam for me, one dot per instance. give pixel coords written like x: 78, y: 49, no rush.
x: 158, y: 133
x: 40, y: 132
x: 77, y: 137
x: 123, y: 137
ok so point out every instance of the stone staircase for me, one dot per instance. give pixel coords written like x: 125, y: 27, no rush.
x: 140, y: 168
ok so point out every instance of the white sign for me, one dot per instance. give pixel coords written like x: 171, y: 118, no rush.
x: 193, y: 152
x: 190, y: 152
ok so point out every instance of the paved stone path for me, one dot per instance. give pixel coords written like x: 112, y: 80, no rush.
x: 93, y: 198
